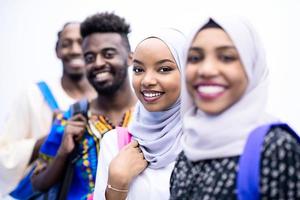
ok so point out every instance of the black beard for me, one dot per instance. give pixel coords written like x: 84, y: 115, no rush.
x: 111, y: 89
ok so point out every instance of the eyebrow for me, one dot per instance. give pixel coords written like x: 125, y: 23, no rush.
x: 164, y: 60
x: 89, y: 51
x: 137, y: 61
x: 226, y: 47
x: 109, y: 49
x: 158, y: 62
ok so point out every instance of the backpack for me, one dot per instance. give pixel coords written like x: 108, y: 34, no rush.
x: 25, y: 191
x: 248, y: 177
x: 124, y: 137
x: 79, y: 107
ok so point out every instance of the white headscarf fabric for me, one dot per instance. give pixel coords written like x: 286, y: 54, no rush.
x: 159, y: 133
x: 224, y: 135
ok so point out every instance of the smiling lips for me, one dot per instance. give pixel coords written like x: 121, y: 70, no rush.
x: 151, y: 96
x: 76, y: 62
x: 210, y: 91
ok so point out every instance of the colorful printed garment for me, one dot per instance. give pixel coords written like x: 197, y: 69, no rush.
x: 82, y: 186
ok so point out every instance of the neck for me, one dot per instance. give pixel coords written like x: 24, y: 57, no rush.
x: 77, y: 89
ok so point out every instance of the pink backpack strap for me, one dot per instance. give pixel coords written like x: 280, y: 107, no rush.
x: 124, y: 137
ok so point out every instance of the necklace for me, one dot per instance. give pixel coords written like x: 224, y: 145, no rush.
x: 100, y: 124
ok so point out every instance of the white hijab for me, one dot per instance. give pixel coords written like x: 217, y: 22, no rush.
x: 224, y: 135
x: 159, y: 133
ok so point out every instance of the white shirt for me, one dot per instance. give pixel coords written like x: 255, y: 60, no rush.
x: 29, y: 119
x: 151, y: 184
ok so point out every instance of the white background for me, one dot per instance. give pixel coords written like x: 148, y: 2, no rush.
x: 28, y: 33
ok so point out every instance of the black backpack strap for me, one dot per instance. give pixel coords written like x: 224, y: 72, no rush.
x: 78, y: 107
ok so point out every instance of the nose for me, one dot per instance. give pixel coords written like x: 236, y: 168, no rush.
x: 208, y: 68
x: 99, y: 61
x: 149, y: 79
x: 76, y: 48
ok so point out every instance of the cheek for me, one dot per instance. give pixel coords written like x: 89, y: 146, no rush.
x: 136, y: 84
x: 174, y: 86
x: 242, y: 86
x: 175, y: 89
x: 190, y: 76
x: 88, y: 69
x: 239, y: 81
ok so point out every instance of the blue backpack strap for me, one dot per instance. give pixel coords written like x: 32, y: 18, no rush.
x: 48, y: 95
x: 248, y: 178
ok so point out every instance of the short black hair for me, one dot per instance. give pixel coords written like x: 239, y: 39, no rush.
x: 60, y: 32
x: 106, y: 23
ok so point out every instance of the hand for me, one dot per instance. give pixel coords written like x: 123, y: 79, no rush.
x: 129, y: 163
x: 36, y: 148
x: 74, y: 130
x: 41, y: 165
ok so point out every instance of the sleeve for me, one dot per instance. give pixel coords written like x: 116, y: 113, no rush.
x: 280, y: 172
x: 108, y: 150
x: 16, y: 145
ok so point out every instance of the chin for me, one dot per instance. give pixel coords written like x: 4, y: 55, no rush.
x: 76, y: 76
x: 154, y: 108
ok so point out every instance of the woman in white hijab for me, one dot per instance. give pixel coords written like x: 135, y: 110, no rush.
x: 224, y: 95
x: 142, y: 169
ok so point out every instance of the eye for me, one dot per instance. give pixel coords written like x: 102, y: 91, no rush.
x: 195, y: 58
x: 227, y: 58
x: 89, y: 58
x: 109, y: 54
x: 65, y: 44
x: 137, y: 70
x: 165, y: 69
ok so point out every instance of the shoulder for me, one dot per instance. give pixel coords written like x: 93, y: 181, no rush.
x: 280, y: 164
x: 29, y: 97
x: 282, y: 138
x: 280, y: 145
x: 109, y: 143
x: 59, y: 93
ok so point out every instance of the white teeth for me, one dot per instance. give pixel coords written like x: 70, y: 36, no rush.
x: 102, y: 76
x: 210, y: 89
x: 77, y: 61
x: 156, y: 94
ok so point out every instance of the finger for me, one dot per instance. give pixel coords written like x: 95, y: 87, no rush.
x: 141, y: 155
x: 137, y: 150
x: 76, y: 123
x: 78, y: 117
x: 78, y: 132
x: 77, y: 138
x: 133, y: 143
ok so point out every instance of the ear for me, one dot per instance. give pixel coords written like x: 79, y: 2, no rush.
x: 130, y: 58
x: 57, y: 50
x: 58, y: 55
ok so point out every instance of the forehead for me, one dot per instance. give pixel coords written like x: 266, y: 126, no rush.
x: 98, y: 41
x: 212, y: 37
x: 71, y: 31
x: 152, y: 48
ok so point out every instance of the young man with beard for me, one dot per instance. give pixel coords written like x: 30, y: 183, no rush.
x: 107, y: 56
x: 30, y: 119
